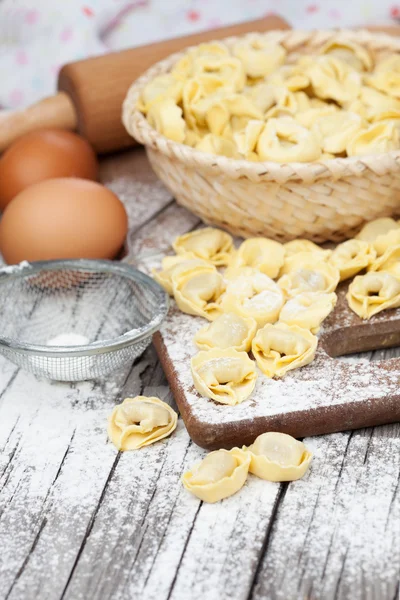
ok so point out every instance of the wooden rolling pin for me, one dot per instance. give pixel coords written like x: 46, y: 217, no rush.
x: 92, y: 91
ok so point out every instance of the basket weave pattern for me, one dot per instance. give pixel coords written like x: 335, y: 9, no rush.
x: 321, y: 201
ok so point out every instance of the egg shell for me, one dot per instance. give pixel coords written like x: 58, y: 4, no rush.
x: 42, y: 155
x: 63, y: 218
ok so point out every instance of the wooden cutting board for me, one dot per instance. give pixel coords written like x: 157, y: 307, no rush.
x: 331, y: 394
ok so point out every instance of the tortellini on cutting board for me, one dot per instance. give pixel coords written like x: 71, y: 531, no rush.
x: 352, y: 256
x: 278, y: 457
x: 179, y: 264
x: 227, y: 331
x: 227, y: 376
x: 260, y: 253
x: 140, y: 421
x: 209, y: 244
x: 308, y: 310
x: 197, y: 291
x: 309, y: 276
x: 219, y: 475
x: 300, y: 245
x: 371, y: 293
x: 280, y: 348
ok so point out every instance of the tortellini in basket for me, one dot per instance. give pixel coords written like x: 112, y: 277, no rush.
x: 252, y: 98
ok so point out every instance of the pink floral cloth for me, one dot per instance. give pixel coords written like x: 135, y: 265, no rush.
x: 38, y: 36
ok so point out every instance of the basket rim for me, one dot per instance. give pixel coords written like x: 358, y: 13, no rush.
x: 139, y: 128
x: 131, y: 337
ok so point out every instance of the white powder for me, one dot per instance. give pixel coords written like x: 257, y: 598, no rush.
x: 68, y: 339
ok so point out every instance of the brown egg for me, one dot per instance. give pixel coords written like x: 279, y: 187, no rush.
x: 44, y: 155
x: 63, y: 218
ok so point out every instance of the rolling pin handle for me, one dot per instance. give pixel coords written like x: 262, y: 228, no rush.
x: 53, y: 112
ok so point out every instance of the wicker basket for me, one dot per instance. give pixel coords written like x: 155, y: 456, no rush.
x: 321, y: 201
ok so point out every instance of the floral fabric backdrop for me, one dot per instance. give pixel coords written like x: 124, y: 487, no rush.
x: 38, y: 36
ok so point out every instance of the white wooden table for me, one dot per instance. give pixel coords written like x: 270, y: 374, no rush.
x: 78, y: 521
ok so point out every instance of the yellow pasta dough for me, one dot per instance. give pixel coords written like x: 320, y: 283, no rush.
x: 375, y: 228
x: 209, y: 244
x: 197, y: 291
x: 379, y: 137
x: 259, y: 57
x: 308, y: 310
x: 140, y: 421
x: 284, y: 140
x: 219, y: 475
x: 227, y: 331
x: 226, y: 376
x: 255, y: 295
x: 278, y: 457
x: 335, y: 131
x: 260, y: 253
x: 371, y: 293
x: 280, y: 348
x: 351, y: 257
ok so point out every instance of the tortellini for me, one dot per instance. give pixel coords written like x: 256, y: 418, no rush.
x: 386, y: 77
x: 140, y: 421
x: 197, y: 291
x: 335, y: 131
x: 255, y: 296
x: 219, y: 475
x: 334, y: 79
x: 378, y: 138
x: 259, y: 58
x: 215, y: 144
x: 300, y: 245
x: 163, y: 86
x: 307, y: 275
x: 284, y: 140
x: 351, y: 53
x: 386, y: 241
x: 376, y: 228
x: 226, y: 376
x: 389, y: 262
x: 227, y: 331
x: 371, y: 293
x: 278, y: 457
x: 260, y: 253
x: 308, y: 310
x: 166, y: 116
x: 352, y: 256
x: 280, y: 348
x: 209, y: 244
x: 176, y: 264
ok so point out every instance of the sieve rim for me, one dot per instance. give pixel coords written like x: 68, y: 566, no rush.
x: 125, y: 340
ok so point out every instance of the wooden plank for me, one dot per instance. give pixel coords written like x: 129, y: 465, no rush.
x: 337, y: 531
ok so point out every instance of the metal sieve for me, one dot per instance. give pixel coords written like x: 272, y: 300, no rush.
x: 116, y: 307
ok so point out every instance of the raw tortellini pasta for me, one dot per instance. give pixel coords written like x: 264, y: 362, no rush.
x: 351, y: 257
x: 284, y: 140
x: 308, y: 310
x: 300, y: 245
x: 219, y: 475
x: 226, y: 376
x: 140, y: 421
x: 351, y: 53
x: 307, y: 275
x: 386, y: 241
x: 255, y: 296
x: 371, y: 293
x: 166, y: 116
x: 335, y: 131
x: 259, y: 57
x: 209, y: 244
x: 260, y: 253
x: 175, y: 264
x: 278, y: 457
x: 378, y: 138
x: 386, y: 77
x: 388, y: 262
x: 375, y: 228
x: 227, y: 331
x: 334, y: 79
x: 280, y: 348
x: 197, y: 291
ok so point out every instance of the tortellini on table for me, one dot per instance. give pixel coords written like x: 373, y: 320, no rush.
x: 219, y: 475
x: 280, y: 348
x: 372, y: 230
x: 140, y: 421
x: 180, y: 263
x: 278, y: 457
x: 371, y: 293
x: 308, y: 310
x: 388, y: 262
x: 226, y: 376
x: 386, y: 241
x: 301, y: 245
x: 260, y: 253
x: 307, y: 275
x: 352, y: 256
x: 208, y: 243
x: 198, y: 291
x: 227, y: 331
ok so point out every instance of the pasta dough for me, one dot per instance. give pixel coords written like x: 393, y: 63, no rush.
x: 209, y: 244
x: 227, y: 331
x: 140, y: 421
x: 226, y: 376
x: 308, y: 310
x: 280, y: 348
x: 375, y: 228
x: 278, y: 457
x: 260, y: 253
x: 219, y: 475
x: 371, y: 293
x: 197, y: 291
x: 255, y: 296
x: 351, y: 257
